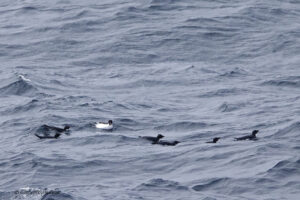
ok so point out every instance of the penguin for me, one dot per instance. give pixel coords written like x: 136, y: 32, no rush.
x: 248, y: 137
x: 154, y: 140
x: 48, y: 136
x: 215, y: 140
x: 167, y: 143
x: 51, y: 132
x: 105, y: 126
x: 47, y: 128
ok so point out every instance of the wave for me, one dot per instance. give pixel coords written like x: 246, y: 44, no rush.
x: 225, y: 107
x: 146, y: 65
x: 161, y: 184
x: 213, y: 183
x: 31, y: 164
x: 56, y: 196
x: 229, y: 107
x: 285, y: 168
x: 36, y: 194
x: 283, y: 45
x: 291, y: 131
x: 217, y: 35
x: 101, y: 139
x: 183, y: 126
x: 291, y: 81
x: 80, y: 26
x: 223, y: 92
x: 77, y: 15
x: 61, y: 43
x: 164, y: 2
x: 27, y: 10
x: 228, y: 186
x: 75, y: 99
x: 21, y: 87
x: 237, y: 72
x: 166, y: 7
x: 145, y: 83
x: 139, y: 14
x: 254, y: 16
x: 202, y: 20
x: 24, y: 108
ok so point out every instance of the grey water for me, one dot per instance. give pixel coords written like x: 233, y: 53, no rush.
x: 190, y: 70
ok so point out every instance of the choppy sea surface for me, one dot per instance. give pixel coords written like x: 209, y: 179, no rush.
x: 190, y: 70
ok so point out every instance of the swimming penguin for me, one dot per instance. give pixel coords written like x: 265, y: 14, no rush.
x: 50, y: 132
x: 215, y: 140
x: 48, y: 136
x: 154, y: 140
x: 167, y: 143
x: 105, y: 126
x: 47, y: 128
x: 248, y: 137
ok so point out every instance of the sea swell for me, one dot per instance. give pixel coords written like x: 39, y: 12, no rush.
x: 189, y: 70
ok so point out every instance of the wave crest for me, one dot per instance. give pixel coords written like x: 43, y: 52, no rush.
x: 21, y: 87
x: 161, y: 184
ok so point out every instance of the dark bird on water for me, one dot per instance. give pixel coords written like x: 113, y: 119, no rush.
x: 51, y: 132
x: 55, y: 129
x: 167, y: 143
x: 48, y: 136
x: 248, y: 137
x: 154, y: 140
x: 215, y: 140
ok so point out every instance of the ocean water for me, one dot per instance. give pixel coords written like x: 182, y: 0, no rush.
x: 190, y: 70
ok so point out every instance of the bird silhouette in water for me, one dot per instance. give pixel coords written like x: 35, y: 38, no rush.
x: 53, y: 128
x: 48, y: 136
x: 215, y: 140
x: 154, y: 140
x: 51, y: 132
x: 167, y: 143
x: 248, y: 137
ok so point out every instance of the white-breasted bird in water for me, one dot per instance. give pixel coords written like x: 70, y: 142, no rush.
x: 105, y: 126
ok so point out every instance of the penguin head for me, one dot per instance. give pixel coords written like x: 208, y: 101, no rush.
x: 254, y: 132
x: 66, y: 127
x: 216, y: 139
x: 159, y: 136
x: 110, y: 122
